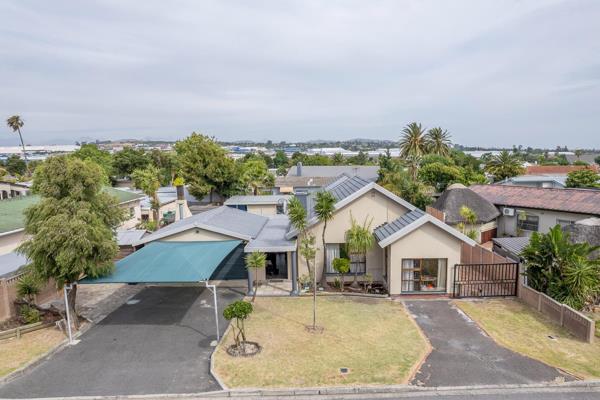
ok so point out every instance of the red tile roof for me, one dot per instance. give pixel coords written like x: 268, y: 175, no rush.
x: 582, y: 201
x: 557, y: 169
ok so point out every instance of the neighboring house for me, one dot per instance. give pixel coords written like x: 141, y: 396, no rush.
x: 528, y: 209
x: 589, y: 158
x: 313, y: 177
x: 171, y: 207
x: 542, y: 181
x: 126, y: 240
x: 413, y: 251
x: 261, y: 205
x: 510, y: 247
x: 455, y: 197
x: 12, y: 217
x: 9, y: 190
x: 557, y: 169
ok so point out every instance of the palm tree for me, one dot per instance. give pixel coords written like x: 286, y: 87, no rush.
x: 255, y: 261
x: 412, y: 142
x: 16, y: 123
x: 504, y: 165
x: 359, y: 240
x: 470, y: 218
x: 438, y: 141
x: 578, y: 153
x: 148, y: 181
x: 324, y: 209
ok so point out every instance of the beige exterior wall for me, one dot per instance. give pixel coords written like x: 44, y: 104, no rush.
x: 197, y: 235
x: 8, y: 243
x: 428, y: 241
x: 507, y: 226
x: 262, y: 209
x: 174, y: 207
x: 131, y: 223
x: 370, y: 205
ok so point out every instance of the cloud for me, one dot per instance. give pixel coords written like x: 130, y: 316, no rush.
x: 492, y: 72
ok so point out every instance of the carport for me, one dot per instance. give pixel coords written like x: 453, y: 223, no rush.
x: 169, y: 263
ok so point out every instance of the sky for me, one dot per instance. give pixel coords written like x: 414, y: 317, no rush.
x: 493, y: 73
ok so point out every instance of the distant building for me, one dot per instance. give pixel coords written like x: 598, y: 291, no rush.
x: 9, y: 190
x: 314, y: 177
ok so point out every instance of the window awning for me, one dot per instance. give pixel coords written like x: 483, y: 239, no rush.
x: 169, y: 262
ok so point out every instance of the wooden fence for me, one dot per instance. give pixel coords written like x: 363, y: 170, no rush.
x: 479, y: 255
x: 575, y: 322
x: 8, y: 294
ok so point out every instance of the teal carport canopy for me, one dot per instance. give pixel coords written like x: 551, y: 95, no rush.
x: 169, y: 262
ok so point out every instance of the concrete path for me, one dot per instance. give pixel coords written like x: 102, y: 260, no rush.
x: 463, y: 355
x: 158, y: 342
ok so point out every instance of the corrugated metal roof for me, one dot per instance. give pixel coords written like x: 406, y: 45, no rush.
x: 514, y: 245
x: 581, y: 201
x: 344, y: 187
x: 262, y: 199
x: 368, y: 172
x: 388, y: 229
x: 272, y: 237
x: 128, y: 238
x: 170, y: 262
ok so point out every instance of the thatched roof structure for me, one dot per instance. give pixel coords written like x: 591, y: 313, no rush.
x: 458, y: 195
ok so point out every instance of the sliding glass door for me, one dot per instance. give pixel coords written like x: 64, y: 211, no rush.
x: 424, y: 275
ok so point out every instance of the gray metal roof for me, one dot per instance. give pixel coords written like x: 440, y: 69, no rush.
x: 128, y: 238
x: 272, y: 237
x: 368, y: 172
x: 266, y: 199
x: 345, y: 186
x: 222, y: 219
x: 388, y: 229
x: 10, y: 263
x: 513, y: 245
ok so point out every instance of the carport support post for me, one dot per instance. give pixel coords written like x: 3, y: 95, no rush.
x: 213, y: 289
x: 68, y: 313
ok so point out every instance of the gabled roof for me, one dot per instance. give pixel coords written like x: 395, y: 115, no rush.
x: 224, y: 220
x: 347, y: 189
x: 456, y: 196
x: 272, y: 237
x: 560, y: 180
x: 513, y: 245
x: 123, y: 196
x: 258, y: 200
x: 581, y: 201
x: 302, y: 181
x: 368, y: 172
x: 389, y: 233
x: 128, y: 238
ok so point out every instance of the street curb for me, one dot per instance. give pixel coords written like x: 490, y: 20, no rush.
x: 212, y: 360
x: 349, y: 390
x: 35, y: 362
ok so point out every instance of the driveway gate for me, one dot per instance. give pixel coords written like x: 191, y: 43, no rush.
x: 486, y: 280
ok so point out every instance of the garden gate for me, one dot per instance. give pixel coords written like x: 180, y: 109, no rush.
x: 486, y: 280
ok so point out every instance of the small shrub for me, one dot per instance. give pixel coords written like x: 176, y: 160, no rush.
x: 239, y: 310
x: 29, y: 315
x: 28, y: 287
x: 342, y: 267
x: 337, y: 283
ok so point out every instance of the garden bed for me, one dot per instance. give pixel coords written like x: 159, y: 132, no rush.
x: 365, y: 341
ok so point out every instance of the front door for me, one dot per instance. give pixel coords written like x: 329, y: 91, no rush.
x: 276, y: 266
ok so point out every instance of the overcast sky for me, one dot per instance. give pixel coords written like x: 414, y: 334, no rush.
x: 491, y: 72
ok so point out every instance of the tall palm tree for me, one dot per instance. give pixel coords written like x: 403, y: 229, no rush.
x: 324, y: 209
x: 504, y: 165
x: 255, y: 261
x: 438, y: 141
x: 359, y: 240
x: 412, y: 142
x: 16, y: 123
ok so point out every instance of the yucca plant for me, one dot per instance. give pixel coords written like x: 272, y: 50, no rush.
x: 359, y: 240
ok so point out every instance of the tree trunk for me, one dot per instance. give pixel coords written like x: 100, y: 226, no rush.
x: 23, y: 146
x: 255, y: 286
x: 71, y: 297
x: 315, y: 299
x: 355, y: 282
x: 342, y: 283
x: 323, y: 276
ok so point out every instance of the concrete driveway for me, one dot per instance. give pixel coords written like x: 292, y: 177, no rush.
x: 463, y: 355
x: 157, y: 343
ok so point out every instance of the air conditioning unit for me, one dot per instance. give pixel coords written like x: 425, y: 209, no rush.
x: 509, y: 212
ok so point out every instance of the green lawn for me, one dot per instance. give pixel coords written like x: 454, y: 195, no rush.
x: 375, y: 339
x: 524, y: 330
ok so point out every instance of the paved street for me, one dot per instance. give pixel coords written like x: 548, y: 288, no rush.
x: 463, y: 355
x: 158, y: 343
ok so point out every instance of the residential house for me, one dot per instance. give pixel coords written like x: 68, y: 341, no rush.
x: 589, y: 158
x: 457, y: 196
x: 546, y: 176
x: 261, y: 205
x: 528, y: 209
x: 413, y: 251
x: 173, y: 207
x: 12, y: 218
x: 314, y: 177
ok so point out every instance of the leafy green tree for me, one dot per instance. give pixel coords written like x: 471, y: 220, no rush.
x: 597, y: 160
x: 561, y: 269
x: 342, y: 267
x: 434, y: 158
x: 128, y: 160
x: 240, y: 311
x: 401, y: 184
x: 255, y: 261
x: 438, y: 141
x: 317, y: 159
x: 3, y: 172
x: 148, y: 181
x: 361, y: 158
x: 413, y: 142
x: 578, y: 153
x: 205, y: 166
x: 166, y: 162
x: 71, y: 226
x: 359, y: 240
x: 280, y: 159
x: 440, y: 176
x: 254, y: 175
x: 504, y: 165
x: 387, y: 164
x: 324, y: 210
x: 338, y: 159
x: 15, y: 165
x: 583, y: 178
x: 470, y: 218
x: 101, y: 157
x: 28, y: 286
x: 16, y: 123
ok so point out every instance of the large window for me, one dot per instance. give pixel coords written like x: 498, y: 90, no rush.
x: 424, y: 274
x: 564, y: 222
x: 528, y: 222
x: 358, y: 263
